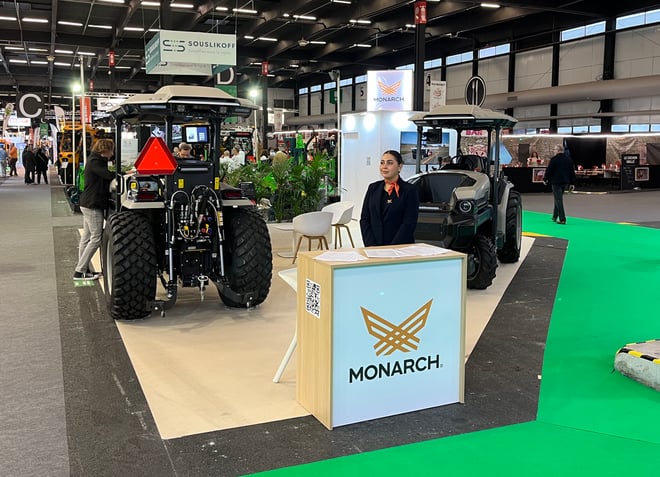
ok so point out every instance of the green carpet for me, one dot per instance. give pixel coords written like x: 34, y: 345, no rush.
x: 591, y: 421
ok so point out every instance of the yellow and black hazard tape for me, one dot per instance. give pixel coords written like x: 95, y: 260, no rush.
x: 629, y: 349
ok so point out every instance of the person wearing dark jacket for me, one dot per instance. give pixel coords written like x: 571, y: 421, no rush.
x: 391, y: 206
x: 28, y: 164
x: 560, y: 173
x: 94, y: 201
x: 41, y: 165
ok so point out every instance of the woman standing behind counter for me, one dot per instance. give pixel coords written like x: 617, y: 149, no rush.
x: 391, y: 206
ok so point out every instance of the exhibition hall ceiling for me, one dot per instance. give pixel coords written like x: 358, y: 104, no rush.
x: 42, y: 41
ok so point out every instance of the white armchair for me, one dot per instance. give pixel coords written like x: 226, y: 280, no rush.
x: 312, y: 226
x: 342, y: 214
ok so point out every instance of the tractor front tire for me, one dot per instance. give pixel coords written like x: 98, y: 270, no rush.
x: 482, y: 263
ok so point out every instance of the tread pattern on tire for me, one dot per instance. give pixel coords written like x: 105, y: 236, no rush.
x: 248, y: 255
x: 130, y: 244
x: 484, y: 249
x: 510, y: 251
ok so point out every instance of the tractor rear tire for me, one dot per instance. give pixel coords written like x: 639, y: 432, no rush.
x: 129, y: 266
x: 248, y: 256
x: 510, y: 251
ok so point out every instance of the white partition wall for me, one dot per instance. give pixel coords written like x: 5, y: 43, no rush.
x: 366, y: 136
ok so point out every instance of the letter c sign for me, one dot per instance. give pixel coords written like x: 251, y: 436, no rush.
x: 29, y: 105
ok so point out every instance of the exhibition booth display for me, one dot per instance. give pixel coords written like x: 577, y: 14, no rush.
x: 380, y: 331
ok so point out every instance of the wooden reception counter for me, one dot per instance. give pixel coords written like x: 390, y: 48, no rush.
x: 380, y: 336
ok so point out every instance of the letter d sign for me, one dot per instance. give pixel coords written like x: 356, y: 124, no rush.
x: 28, y: 105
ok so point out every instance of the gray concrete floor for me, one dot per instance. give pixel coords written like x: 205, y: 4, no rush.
x: 50, y: 431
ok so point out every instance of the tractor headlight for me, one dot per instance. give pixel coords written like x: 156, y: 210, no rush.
x: 465, y: 206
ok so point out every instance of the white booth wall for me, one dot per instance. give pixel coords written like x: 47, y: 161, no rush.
x: 365, y: 137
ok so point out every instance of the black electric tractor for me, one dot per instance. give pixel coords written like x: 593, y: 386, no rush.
x: 174, y: 220
x: 467, y: 205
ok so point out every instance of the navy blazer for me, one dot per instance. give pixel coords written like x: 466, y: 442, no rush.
x: 388, y: 223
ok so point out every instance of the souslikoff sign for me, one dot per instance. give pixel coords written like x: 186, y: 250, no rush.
x: 189, y: 53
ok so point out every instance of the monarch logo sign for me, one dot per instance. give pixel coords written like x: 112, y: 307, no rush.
x: 390, y: 338
x: 389, y: 90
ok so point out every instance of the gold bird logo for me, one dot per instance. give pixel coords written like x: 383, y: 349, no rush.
x: 389, y: 89
x: 393, y: 337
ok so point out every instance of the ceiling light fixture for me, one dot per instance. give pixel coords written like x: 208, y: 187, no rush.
x: 62, y: 22
x: 64, y: 52
x: 101, y: 27
x: 266, y: 38
x: 244, y: 10
x: 490, y: 5
x: 222, y: 9
x: 304, y: 17
x: 361, y: 45
x: 130, y: 28
x: 37, y: 49
x: 38, y: 62
x: 345, y: 2
x: 8, y: 19
x: 182, y: 5
x: 17, y: 48
x: 14, y: 60
x: 361, y: 22
x: 35, y: 20
x: 59, y: 63
x: 86, y: 53
x: 151, y: 4
x: 113, y: 1
x: 317, y: 42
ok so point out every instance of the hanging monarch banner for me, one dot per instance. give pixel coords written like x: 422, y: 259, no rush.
x: 389, y: 90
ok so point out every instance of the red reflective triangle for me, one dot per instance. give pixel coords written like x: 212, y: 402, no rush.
x: 155, y: 158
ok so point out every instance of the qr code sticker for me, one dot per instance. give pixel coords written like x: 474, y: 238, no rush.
x: 313, y: 298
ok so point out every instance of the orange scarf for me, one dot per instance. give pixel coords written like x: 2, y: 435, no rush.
x: 392, y: 185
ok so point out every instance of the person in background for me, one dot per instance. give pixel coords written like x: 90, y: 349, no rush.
x: 28, y: 164
x: 227, y: 165
x: 560, y: 173
x: 185, y: 151
x: 391, y: 206
x: 3, y: 161
x: 41, y: 165
x: 13, y: 159
x: 534, y: 160
x: 238, y: 156
x: 94, y: 201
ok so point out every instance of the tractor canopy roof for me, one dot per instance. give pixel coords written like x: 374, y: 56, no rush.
x: 181, y: 103
x: 463, y: 117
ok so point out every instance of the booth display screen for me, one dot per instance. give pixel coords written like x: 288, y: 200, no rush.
x: 431, y: 151
x: 194, y: 134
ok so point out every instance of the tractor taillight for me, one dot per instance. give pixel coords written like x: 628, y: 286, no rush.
x: 232, y: 194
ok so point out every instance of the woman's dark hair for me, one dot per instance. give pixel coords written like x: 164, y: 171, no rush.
x: 395, y: 154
